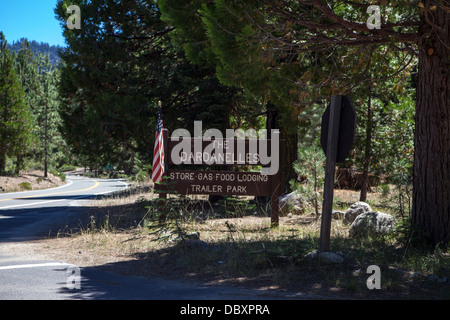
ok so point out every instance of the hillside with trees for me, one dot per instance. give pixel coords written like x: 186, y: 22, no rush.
x: 38, y: 48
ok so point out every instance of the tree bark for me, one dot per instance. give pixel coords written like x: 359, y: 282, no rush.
x: 2, y: 163
x: 368, y: 149
x: 291, y: 146
x: 431, y: 187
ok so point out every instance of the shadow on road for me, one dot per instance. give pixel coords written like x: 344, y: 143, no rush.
x: 97, y: 283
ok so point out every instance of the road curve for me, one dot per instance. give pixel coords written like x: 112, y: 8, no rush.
x: 24, y: 215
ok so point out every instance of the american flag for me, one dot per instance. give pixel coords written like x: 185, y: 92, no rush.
x: 158, y: 151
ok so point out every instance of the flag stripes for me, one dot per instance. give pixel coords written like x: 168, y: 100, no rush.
x: 158, y: 151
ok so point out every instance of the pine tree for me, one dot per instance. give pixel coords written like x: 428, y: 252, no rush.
x: 15, y: 118
x: 115, y: 70
x: 39, y: 79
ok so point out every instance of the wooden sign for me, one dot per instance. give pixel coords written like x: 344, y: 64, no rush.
x: 220, y: 152
x: 189, y: 182
x: 214, y: 182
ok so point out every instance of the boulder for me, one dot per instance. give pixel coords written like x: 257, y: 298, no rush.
x: 355, y: 210
x: 330, y: 257
x: 312, y: 255
x: 325, y: 257
x: 291, y: 203
x: 192, y: 235
x: 370, y: 223
x: 194, y: 244
x: 337, y: 215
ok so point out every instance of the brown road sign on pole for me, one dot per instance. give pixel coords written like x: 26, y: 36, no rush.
x: 338, y: 130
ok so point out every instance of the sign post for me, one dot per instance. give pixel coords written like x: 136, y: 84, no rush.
x: 338, y: 131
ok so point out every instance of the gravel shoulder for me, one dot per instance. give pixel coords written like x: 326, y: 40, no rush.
x: 32, y: 179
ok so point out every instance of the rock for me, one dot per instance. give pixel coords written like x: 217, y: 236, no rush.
x: 291, y: 203
x: 433, y: 278
x: 312, y: 255
x: 192, y: 235
x: 194, y: 244
x: 355, y: 210
x: 371, y: 223
x: 357, y: 272
x: 338, y: 215
x: 325, y: 257
x: 330, y: 257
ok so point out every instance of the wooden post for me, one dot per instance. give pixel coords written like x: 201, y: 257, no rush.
x: 277, y: 186
x: 274, y: 200
x: 332, y: 147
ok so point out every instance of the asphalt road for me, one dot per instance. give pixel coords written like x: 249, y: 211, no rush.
x: 29, y: 215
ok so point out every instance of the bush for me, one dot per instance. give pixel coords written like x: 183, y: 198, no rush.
x: 310, y: 170
x: 67, y: 167
x: 61, y: 175
x: 142, y: 176
x: 25, y: 186
x: 385, y: 189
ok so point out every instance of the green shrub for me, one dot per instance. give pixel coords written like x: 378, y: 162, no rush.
x: 385, y: 189
x: 25, y: 186
x: 67, y: 167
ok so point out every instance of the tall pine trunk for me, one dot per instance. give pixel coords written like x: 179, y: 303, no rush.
x: 291, y: 148
x: 2, y: 162
x: 368, y: 148
x: 431, y: 188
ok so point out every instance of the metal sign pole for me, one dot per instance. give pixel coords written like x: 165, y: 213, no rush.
x: 332, y: 147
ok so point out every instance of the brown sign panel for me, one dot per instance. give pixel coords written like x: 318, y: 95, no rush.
x: 219, y: 151
x: 218, y: 183
x: 207, y: 182
x: 347, y: 127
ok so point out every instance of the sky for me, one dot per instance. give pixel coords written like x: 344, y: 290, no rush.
x: 31, y: 19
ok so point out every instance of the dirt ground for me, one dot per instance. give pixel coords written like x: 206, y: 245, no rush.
x: 35, y: 178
